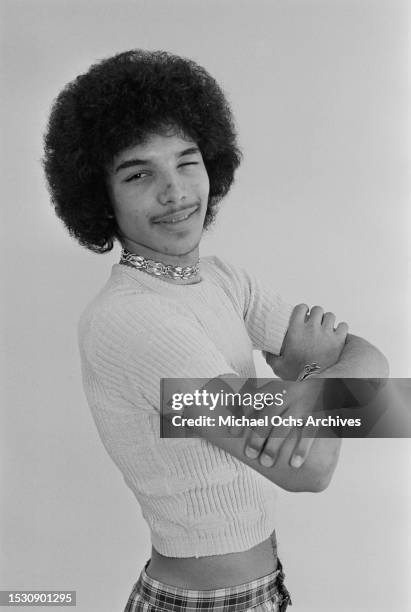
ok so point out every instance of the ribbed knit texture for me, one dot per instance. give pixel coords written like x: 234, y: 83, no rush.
x: 197, y: 499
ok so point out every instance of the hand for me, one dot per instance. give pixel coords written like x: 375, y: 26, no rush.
x: 264, y: 444
x: 309, y: 338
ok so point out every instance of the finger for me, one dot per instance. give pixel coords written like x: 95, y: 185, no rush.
x: 342, y: 329
x: 316, y: 315
x: 237, y: 412
x: 328, y: 320
x: 254, y: 443
x: 273, y: 444
x: 303, y: 447
x: 298, y: 314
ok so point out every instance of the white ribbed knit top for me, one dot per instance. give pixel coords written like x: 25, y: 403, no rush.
x: 197, y: 499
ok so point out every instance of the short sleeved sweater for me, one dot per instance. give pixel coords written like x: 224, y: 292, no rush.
x: 197, y: 499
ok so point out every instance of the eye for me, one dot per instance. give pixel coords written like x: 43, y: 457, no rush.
x: 136, y: 177
x: 193, y: 163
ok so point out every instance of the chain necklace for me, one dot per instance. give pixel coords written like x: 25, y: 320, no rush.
x: 157, y: 268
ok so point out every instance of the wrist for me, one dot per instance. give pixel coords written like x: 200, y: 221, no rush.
x: 310, y: 369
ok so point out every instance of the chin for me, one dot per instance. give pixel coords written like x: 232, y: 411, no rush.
x: 182, y: 249
x: 182, y: 252
x: 183, y: 244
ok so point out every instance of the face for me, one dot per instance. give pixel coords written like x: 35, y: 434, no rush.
x: 159, y: 190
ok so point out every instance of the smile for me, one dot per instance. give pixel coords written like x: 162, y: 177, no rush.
x: 178, y: 217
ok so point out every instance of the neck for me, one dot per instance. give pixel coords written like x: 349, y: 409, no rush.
x: 184, y: 259
x: 179, y: 274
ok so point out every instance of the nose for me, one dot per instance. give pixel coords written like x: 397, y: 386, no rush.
x: 172, y: 189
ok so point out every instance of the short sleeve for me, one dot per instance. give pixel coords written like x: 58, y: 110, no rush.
x: 266, y: 315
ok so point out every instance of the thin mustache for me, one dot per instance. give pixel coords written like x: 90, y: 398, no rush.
x: 174, y: 211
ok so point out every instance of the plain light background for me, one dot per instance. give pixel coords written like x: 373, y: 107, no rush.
x: 320, y: 94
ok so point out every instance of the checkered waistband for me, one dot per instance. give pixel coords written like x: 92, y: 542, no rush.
x: 150, y: 592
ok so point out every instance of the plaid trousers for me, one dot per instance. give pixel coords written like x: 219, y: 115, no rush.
x: 266, y: 594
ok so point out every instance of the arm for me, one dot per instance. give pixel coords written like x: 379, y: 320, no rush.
x: 149, y: 347
x: 358, y: 359
x: 313, y: 338
x: 313, y: 476
x: 316, y: 457
x: 291, y: 461
x: 308, y: 338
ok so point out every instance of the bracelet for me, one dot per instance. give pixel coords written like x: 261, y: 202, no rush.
x: 308, y: 370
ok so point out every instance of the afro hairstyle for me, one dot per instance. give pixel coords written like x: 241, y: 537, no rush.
x: 117, y: 104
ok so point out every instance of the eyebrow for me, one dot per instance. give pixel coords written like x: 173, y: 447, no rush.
x: 141, y: 162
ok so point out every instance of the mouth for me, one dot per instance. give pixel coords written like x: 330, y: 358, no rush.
x: 177, y: 216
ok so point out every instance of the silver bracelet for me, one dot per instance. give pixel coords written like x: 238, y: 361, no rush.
x: 308, y: 370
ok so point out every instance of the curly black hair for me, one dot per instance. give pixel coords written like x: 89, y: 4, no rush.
x: 116, y: 104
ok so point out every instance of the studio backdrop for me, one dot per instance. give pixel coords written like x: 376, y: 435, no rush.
x: 319, y: 209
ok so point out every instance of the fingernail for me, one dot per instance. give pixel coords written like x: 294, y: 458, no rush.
x: 266, y: 460
x: 251, y: 452
x: 296, y: 461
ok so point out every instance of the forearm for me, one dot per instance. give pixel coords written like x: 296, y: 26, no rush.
x: 313, y: 476
x: 316, y: 473
x: 280, y: 445
x: 358, y: 359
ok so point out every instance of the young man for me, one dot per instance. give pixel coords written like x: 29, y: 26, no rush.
x: 141, y: 149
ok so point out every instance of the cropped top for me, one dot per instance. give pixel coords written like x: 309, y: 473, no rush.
x: 197, y: 499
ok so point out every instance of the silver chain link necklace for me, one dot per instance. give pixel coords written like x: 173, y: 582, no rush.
x: 157, y: 268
